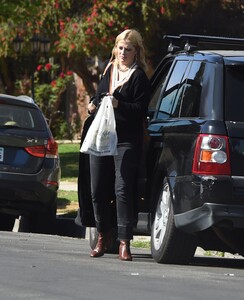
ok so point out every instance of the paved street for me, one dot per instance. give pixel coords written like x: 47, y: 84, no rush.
x: 54, y: 267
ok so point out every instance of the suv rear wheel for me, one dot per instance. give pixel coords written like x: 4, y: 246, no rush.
x: 168, y: 244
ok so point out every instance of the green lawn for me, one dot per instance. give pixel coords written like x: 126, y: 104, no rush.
x: 69, y: 159
x: 67, y: 203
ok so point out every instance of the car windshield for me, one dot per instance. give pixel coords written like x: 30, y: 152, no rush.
x: 21, y: 117
x: 234, y: 93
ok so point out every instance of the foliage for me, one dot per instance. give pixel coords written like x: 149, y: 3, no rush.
x: 94, y: 30
x: 88, y: 27
x: 47, y: 94
x: 82, y: 29
x: 50, y: 84
x: 26, y: 18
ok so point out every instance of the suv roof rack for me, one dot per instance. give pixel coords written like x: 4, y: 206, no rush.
x: 212, y: 39
x: 191, y: 41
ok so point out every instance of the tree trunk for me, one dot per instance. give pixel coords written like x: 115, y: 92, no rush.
x: 79, y: 66
x: 6, y: 77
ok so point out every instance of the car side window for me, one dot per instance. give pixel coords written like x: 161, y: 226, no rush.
x: 234, y: 93
x: 170, y: 98
x: 160, y: 82
x: 192, y: 90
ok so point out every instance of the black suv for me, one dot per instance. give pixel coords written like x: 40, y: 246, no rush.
x: 192, y: 176
x: 29, y: 167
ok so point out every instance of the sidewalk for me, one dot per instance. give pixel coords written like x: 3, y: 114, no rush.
x: 68, y: 186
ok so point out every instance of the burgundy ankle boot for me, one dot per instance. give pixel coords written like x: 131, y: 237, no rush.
x: 100, y: 247
x: 124, y: 251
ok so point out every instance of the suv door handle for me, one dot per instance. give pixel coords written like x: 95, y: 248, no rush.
x: 158, y: 145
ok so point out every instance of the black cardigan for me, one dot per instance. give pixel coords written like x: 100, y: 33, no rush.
x: 133, y: 101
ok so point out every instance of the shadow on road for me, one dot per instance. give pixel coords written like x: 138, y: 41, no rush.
x: 67, y: 227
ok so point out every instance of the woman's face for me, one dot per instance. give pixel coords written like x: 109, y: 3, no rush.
x: 126, y: 53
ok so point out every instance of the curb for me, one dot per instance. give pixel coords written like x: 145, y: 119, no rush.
x: 68, y: 141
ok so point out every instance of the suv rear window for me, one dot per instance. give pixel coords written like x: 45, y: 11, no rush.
x: 234, y: 93
x: 23, y: 117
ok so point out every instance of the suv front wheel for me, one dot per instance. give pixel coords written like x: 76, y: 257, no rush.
x: 168, y: 244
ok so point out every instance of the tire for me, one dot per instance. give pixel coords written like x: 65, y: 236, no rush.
x: 169, y: 245
x: 113, y: 246
x: 40, y: 222
x: 6, y: 222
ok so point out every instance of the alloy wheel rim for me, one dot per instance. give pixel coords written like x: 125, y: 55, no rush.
x: 161, y: 218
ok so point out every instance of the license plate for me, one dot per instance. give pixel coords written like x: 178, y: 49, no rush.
x: 1, y: 153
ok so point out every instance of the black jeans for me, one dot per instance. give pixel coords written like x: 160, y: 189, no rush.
x: 115, y: 176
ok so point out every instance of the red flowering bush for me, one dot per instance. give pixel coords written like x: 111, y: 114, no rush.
x: 39, y: 67
x: 93, y: 32
x: 48, y: 94
x: 48, y: 67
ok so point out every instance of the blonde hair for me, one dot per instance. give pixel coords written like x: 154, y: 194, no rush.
x: 134, y: 37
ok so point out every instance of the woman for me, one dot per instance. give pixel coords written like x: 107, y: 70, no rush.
x: 124, y: 78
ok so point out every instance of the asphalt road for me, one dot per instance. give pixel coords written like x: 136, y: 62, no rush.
x: 55, y: 267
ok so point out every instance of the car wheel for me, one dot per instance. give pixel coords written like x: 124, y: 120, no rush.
x: 168, y: 244
x: 113, y: 246
x: 40, y: 222
x: 6, y: 222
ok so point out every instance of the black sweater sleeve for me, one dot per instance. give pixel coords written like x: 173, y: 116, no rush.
x: 103, y: 86
x: 134, y: 97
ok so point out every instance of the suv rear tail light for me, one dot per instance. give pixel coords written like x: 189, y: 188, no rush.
x: 50, y: 150
x: 211, y: 155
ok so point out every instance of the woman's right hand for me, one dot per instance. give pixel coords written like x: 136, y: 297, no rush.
x: 91, y: 107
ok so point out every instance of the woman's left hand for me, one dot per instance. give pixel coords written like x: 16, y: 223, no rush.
x: 91, y: 107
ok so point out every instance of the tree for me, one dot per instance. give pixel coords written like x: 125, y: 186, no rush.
x: 83, y: 29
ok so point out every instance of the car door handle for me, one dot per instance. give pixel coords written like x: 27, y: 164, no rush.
x: 158, y: 145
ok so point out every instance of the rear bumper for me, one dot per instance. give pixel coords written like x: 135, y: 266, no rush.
x: 203, y: 201
x: 209, y: 214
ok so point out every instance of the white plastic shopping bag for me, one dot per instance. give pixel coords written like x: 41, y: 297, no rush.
x: 101, y: 138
